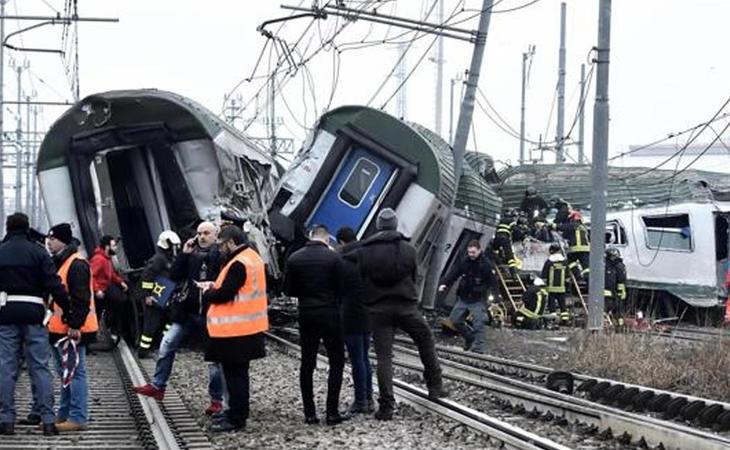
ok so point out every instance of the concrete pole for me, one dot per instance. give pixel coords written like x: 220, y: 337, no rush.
x: 560, y: 131
x: 522, y: 109
x: 439, y: 60
x: 451, y: 112
x: 599, y: 171
x: 19, y: 145
x: 581, y: 117
x: 459, y: 147
x: 2, y: 114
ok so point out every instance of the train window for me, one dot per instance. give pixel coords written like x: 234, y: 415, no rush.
x: 668, y: 232
x: 615, y: 233
x: 358, y: 182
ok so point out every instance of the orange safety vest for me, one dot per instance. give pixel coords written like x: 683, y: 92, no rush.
x: 56, y: 325
x: 246, y: 314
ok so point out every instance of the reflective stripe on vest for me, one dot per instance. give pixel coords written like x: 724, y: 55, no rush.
x: 246, y: 313
x: 56, y: 325
x: 553, y: 287
x: 580, y: 246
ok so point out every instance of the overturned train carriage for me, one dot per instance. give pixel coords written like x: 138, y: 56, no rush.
x: 359, y: 160
x: 134, y: 163
x: 672, y: 231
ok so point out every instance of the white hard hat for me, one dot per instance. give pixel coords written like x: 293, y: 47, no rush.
x: 538, y: 281
x: 167, y: 239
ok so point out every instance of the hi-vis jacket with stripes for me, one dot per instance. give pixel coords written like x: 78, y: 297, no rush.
x: 56, y: 325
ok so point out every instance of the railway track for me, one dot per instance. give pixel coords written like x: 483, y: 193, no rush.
x: 514, y: 384
x: 691, y: 334
x: 503, y: 433
x: 120, y: 419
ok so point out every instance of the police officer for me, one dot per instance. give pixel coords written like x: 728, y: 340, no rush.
x: 579, y: 246
x: 501, y: 247
x: 78, y: 322
x: 529, y: 315
x: 27, y: 277
x: 615, y: 287
x: 157, y: 268
x: 554, y: 271
x: 236, y: 320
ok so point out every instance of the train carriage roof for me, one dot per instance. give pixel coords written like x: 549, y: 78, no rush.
x: 182, y: 117
x: 433, y: 156
x: 628, y: 187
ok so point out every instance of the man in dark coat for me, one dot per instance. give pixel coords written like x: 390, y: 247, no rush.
x: 233, y: 353
x: 388, y: 266
x: 314, y: 275
x: 532, y: 203
x: 476, y: 281
x: 615, y: 286
x: 199, y: 261
x: 27, y: 277
x: 356, y: 326
x: 157, y: 267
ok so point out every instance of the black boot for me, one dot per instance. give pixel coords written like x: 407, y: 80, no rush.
x: 225, y: 425
x: 31, y: 419
x: 7, y: 429
x: 334, y: 419
x: 49, y: 429
x: 437, y: 392
x: 384, y: 414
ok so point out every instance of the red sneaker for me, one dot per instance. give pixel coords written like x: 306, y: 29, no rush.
x: 149, y: 390
x: 215, y: 407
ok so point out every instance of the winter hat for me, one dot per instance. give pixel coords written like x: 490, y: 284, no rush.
x: 17, y: 222
x: 387, y: 220
x: 62, y: 232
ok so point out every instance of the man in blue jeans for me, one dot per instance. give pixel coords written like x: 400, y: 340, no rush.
x: 27, y: 277
x: 200, y: 260
x: 476, y: 280
x: 356, y: 326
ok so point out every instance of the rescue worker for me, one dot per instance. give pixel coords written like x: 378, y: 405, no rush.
x: 554, y: 271
x: 476, y: 280
x: 314, y: 275
x: 562, y: 210
x: 27, y: 277
x: 78, y: 322
x: 579, y: 245
x: 388, y: 265
x: 540, y: 230
x: 199, y: 261
x: 356, y: 326
x: 501, y: 247
x: 532, y: 203
x: 529, y: 315
x: 521, y: 229
x: 156, y: 269
x: 109, y: 286
x: 615, y: 286
x: 236, y: 320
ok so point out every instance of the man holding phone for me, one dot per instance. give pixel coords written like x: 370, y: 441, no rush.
x: 199, y: 262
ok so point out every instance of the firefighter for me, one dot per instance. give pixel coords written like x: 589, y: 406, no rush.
x: 615, y: 286
x: 554, y: 271
x: 562, y: 210
x: 576, y: 233
x: 155, y: 281
x: 532, y: 203
x: 529, y: 315
x: 501, y: 247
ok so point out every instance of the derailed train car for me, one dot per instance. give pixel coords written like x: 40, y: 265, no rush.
x: 672, y: 230
x: 134, y: 163
x: 359, y: 160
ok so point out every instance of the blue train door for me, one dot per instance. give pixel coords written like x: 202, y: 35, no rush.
x: 350, y: 198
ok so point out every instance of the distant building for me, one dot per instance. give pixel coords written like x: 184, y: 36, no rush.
x: 715, y: 158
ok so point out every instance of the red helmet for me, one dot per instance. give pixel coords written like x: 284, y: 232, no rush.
x: 575, y: 215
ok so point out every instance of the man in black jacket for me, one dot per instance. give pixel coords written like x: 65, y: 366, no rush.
x: 157, y: 268
x: 388, y: 266
x: 476, y: 281
x: 27, y: 277
x: 314, y: 275
x: 199, y: 261
x: 356, y: 326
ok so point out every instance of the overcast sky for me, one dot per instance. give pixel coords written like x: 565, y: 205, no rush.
x: 669, y: 65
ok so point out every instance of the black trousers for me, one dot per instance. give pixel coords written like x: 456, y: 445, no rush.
x: 154, y: 318
x: 386, y: 316
x: 556, y: 302
x: 237, y: 382
x: 583, y: 258
x: 316, y: 327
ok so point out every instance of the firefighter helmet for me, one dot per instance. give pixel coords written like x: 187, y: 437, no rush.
x: 168, y: 239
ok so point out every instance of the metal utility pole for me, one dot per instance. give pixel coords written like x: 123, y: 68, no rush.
x: 34, y: 204
x: 599, y: 171
x: 400, y: 77
x: 28, y: 159
x: 272, y: 115
x: 439, y: 60
x: 560, y: 131
x: 581, y: 116
x: 527, y: 56
x: 2, y: 113
x: 19, y: 141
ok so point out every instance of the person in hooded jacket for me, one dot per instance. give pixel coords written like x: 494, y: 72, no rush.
x: 554, y: 271
x: 388, y: 267
x: 199, y: 261
x: 477, y: 280
x: 356, y: 325
x: 157, y: 267
x: 77, y: 322
x: 27, y: 278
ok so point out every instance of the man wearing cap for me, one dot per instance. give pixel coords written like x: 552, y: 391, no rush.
x: 388, y: 265
x: 77, y: 322
x: 27, y: 277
